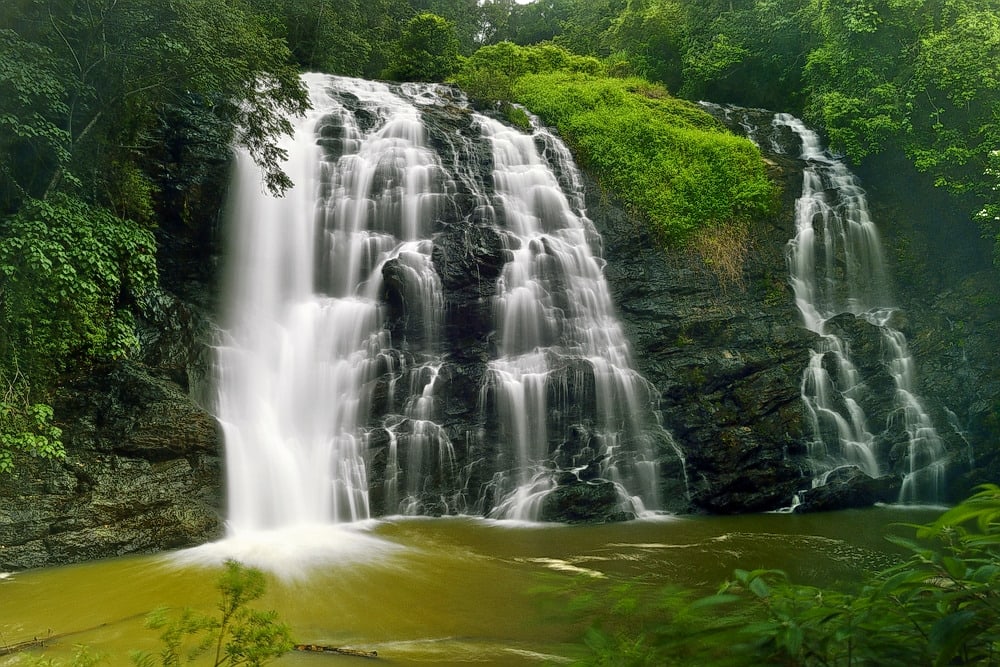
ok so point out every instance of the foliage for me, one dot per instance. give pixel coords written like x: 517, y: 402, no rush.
x: 237, y: 635
x: 940, y: 606
x: 32, y: 99
x: 70, y: 271
x: 665, y: 157
x: 489, y: 74
x: 650, y: 36
x: 115, y: 116
x: 322, y: 35
x: 101, y: 71
x: 82, y: 657
x: 466, y: 16
x: 70, y: 274
x: 919, y: 74
x: 427, y: 51
x: 873, y: 75
x: 25, y: 427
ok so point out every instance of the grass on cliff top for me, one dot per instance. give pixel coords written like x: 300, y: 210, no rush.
x: 667, y: 159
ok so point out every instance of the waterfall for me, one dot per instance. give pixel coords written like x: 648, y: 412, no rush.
x: 559, y: 339
x: 342, y: 390
x: 836, y: 266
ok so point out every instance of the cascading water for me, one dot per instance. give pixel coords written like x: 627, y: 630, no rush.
x: 340, y: 393
x: 305, y: 336
x: 836, y: 266
x: 559, y: 338
x: 838, y: 275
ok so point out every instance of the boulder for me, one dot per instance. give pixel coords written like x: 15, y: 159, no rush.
x: 594, y: 501
x: 849, y: 487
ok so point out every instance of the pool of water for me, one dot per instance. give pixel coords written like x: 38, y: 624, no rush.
x: 435, y: 591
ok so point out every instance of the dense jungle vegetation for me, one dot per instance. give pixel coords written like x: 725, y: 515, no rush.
x: 117, y: 118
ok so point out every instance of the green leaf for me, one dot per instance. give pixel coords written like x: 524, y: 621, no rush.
x: 759, y: 587
x: 955, y: 567
x: 948, y: 633
x: 714, y: 601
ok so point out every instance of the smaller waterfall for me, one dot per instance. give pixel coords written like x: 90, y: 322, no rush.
x: 561, y: 348
x: 836, y: 266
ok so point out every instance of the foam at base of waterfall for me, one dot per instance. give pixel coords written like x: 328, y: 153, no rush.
x: 292, y: 553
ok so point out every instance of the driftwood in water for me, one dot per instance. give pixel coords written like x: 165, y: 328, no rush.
x: 35, y: 642
x: 24, y: 646
x: 319, y: 648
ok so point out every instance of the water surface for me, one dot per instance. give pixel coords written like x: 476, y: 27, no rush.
x: 437, y: 591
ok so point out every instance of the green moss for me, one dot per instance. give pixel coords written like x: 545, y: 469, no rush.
x: 516, y: 116
x: 666, y: 158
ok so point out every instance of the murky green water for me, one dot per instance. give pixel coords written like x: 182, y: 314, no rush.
x: 435, y: 591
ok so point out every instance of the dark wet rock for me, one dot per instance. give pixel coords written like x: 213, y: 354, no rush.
x: 849, y: 487
x: 594, y: 501
x: 143, y: 474
x: 727, y: 359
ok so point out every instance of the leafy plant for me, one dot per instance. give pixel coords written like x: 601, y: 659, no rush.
x: 70, y: 273
x: 237, y: 635
x: 489, y: 74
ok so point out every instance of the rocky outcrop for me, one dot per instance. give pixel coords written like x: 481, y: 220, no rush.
x: 847, y: 488
x: 577, y: 501
x: 142, y: 474
x: 143, y: 471
x: 726, y: 358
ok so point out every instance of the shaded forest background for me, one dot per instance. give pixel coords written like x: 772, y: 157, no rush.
x: 118, y: 118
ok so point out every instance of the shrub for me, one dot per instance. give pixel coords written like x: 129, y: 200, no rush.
x: 69, y: 273
x: 238, y: 635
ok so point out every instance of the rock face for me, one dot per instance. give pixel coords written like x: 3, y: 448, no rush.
x: 142, y: 475
x: 143, y: 471
x: 727, y: 359
x: 947, y: 286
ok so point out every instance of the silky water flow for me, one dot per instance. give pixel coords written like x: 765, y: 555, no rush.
x: 334, y: 349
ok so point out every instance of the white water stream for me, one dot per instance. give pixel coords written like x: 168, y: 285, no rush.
x: 836, y: 266
x: 307, y: 363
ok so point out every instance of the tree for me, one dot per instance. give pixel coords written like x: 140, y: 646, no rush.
x: 323, y: 35
x: 32, y: 102
x: 427, y: 50
x: 538, y: 21
x: 585, y: 26
x: 238, y: 635
x: 650, y: 36
x: 494, y: 20
x: 120, y: 62
x: 464, y: 15
x: 91, y: 158
x: 918, y: 74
